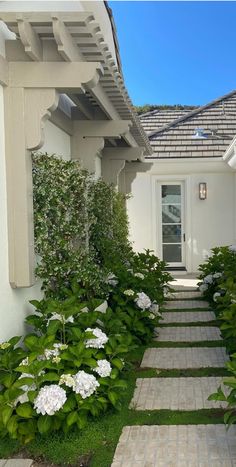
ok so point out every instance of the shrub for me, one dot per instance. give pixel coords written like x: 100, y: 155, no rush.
x: 219, y: 286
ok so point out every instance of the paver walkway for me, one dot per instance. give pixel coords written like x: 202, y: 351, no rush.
x: 181, y: 445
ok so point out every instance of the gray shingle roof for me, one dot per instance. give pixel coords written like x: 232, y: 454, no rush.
x: 171, y: 132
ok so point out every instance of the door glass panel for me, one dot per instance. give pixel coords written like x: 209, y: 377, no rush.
x: 171, y: 194
x: 172, y: 253
x: 171, y: 214
x: 171, y: 233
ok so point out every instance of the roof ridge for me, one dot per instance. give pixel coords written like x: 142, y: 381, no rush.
x: 191, y: 114
x: 149, y: 113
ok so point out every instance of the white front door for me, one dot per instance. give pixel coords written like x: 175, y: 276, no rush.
x: 171, y: 225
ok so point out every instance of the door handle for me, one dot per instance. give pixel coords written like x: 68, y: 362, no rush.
x: 184, y: 237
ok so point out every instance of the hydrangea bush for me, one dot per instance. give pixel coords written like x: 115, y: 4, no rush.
x: 218, y: 284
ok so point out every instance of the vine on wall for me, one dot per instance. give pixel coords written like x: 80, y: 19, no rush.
x: 80, y: 224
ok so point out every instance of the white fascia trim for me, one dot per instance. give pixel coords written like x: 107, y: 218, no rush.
x: 183, y: 160
x: 230, y: 154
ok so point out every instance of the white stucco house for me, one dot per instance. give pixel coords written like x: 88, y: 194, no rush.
x: 61, y: 91
x: 184, y: 195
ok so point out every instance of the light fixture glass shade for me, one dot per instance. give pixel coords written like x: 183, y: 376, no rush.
x: 202, y: 190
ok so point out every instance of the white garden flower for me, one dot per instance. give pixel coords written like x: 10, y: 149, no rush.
x: 232, y: 248
x: 129, y: 293
x: 26, y: 388
x: 103, y: 368
x: 60, y: 346
x: 139, y: 275
x: 216, y: 296
x: 50, y: 399
x: 111, y: 279
x: 217, y: 275
x: 152, y: 316
x: 99, y: 340
x: 85, y: 384
x: 103, y: 307
x: 56, y: 359
x: 24, y: 362
x: 208, y: 279
x: 68, y: 380
x: 4, y: 345
x: 143, y: 301
x: 203, y: 287
x: 50, y: 353
x: 154, y: 308
x: 61, y: 318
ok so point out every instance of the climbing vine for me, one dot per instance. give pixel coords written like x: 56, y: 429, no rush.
x: 80, y: 224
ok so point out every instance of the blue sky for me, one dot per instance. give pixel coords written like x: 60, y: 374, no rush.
x: 177, y: 52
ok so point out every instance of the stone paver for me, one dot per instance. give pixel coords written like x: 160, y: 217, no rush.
x: 186, y: 304
x: 176, y: 393
x: 176, y: 446
x: 187, y: 316
x: 16, y: 462
x: 188, y: 333
x: 183, y: 295
x: 199, y: 357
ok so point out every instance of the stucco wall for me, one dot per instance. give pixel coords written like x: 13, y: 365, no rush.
x: 56, y: 142
x: 208, y: 223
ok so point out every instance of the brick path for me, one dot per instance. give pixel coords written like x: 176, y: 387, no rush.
x: 182, y: 445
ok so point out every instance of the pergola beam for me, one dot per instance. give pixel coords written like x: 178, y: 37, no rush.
x: 102, y: 128
x: 30, y: 40
x: 62, y: 76
x: 127, y: 154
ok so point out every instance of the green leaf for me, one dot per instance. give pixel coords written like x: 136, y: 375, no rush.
x: 49, y: 377
x: 53, y: 326
x: 6, y: 413
x: 82, y: 419
x: 25, y: 410
x: 12, y: 424
x: 31, y: 342
x: 72, y: 418
x: 117, y: 363
x: 44, y: 423
x: 8, y: 380
x: 113, y: 397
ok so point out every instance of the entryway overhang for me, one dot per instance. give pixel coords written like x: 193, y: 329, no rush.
x: 230, y: 155
x: 56, y: 54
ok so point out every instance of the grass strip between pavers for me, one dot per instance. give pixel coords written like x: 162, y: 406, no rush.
x: 171, y: 344
x: 183, y: 373
x: 213, y: 323
x: 180, y: 310
x: 176, y: 417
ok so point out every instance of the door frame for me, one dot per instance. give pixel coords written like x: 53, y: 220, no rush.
x: 157, y: 181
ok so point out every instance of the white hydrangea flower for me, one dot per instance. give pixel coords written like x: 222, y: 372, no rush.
x: 99, y: 341
x: 139, y: 275
x: 24, y: 362
x: 129, y: 293
x: 154, y: 308
x: 203, y: 287
x: 216, y: 296
x: 51, y: 353
x: 56, y: 359
x: 26, y: 388
x: 103, y: 307
x: 152, y: 316
x: 111, y: 279
x: 143, y: 301
x: 60, y: 346
x: 50, y: 399
x: 103, y: 368
x: 4, y: 345
x: 208, y: 279
x: 85, y: 384
x: 232, y: 248
x: 68, y: 380
x: 217, y: 275
x: 61, y: 318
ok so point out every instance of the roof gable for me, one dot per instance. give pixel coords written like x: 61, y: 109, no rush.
x: 174, y: 138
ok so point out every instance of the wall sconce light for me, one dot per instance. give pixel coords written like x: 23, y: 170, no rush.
x: 202, y: 190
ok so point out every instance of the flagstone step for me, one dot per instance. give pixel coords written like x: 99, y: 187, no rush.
x: 186, y: 304
x: 187, y: 316
x: 184, y: 358
x: 176, y: 446
x: 188, y: 334
x: 185, y: 294
x: 176, y: 393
